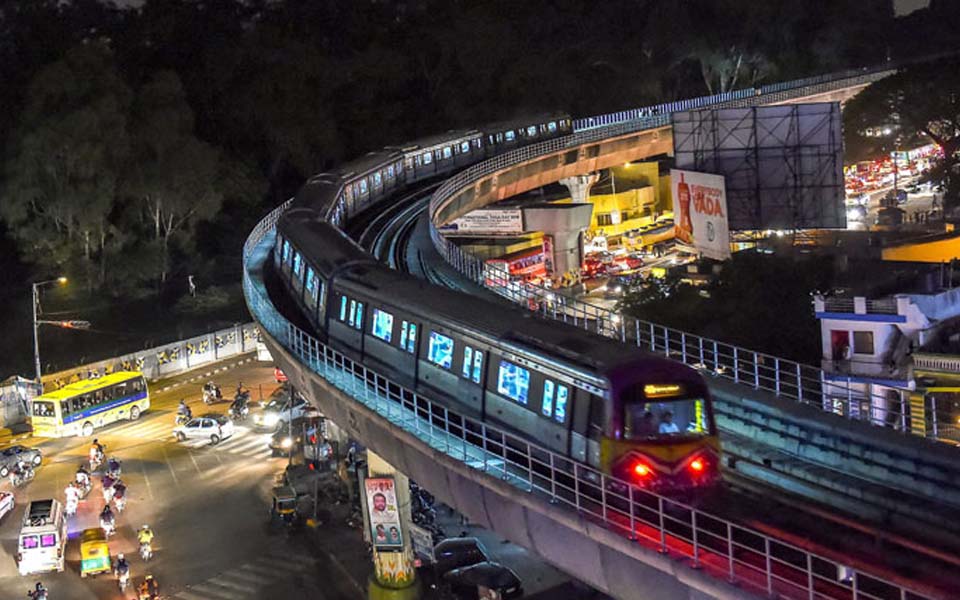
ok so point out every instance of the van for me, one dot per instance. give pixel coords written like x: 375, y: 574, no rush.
x: 43, y: 536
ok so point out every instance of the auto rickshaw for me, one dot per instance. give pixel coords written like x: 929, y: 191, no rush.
x: 284, y: 504
x: 94, y: 553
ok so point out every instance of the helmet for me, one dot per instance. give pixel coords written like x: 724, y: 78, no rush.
x: 95, y: 440
x: 145, y: 527
x: 120, y: 556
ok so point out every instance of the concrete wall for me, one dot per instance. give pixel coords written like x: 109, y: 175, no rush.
x: 584, y: 549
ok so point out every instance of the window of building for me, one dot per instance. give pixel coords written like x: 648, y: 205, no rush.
x: 440, y: 351
x: 382, y: 325
x: 513, y: 381
x: 604, y: 219
x: 863, y: 342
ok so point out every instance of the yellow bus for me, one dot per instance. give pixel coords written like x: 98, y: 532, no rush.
x: 80, y: 408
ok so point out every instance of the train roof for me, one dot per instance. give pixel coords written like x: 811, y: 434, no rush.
x: 371, y: 161
x: 323, y: 245
x: 526, y: 121
x: 441, y: 139
x: 501, y: 320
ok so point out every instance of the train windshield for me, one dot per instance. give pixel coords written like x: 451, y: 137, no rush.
x: 650, y: 420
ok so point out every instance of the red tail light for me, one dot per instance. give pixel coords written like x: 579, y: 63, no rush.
x: 641, y: 470
x: 697, y: 465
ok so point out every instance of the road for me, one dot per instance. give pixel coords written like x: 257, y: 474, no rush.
x: 208, y: 506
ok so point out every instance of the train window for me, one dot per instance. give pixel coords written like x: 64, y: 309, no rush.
x: 552, y: 127
x: 377, y: 179
x: 427, y: 158
x: 513, y: 381
x: 403, y: 334
x: 477, y: 365
x: 547, y: 406
x: 358, y: 323
x: 447, y: 152
x: 532, y: 131
x: 664, y: 419
x: 440, y: 351
x: 399, y: 167
x: 348, y: 192
x: 311, y: 283
x: 465, y: 147
x: 467, y: 360
x: 382, y: 325
x: 509, y: 135
x: 286, y: 250
x: 279, y: 248
x: 363, y: 186
x: 477, y: 142
x: 353, y: 312
x: 343, y: 308
x: 412, y: 339
x: 390, y: 171
x: 297, y: 264
x: 563, y: 396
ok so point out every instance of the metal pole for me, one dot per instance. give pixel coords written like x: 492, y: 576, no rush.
x: 36, y: 342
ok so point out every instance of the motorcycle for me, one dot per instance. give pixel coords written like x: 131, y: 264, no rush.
x: 181, y: 419
x: 71, y: 506
x: 123, y: 579
x: 37, y: 594
x: 146, y: 551
x: 96, y: 459
x: 239, y: 413
x: 84, y: 486
x: 120, y: 503
x: 108, y: 494
x: 113, y: 468
x: 211, y: 393
x: 109, y: 527
x: 20, y: 478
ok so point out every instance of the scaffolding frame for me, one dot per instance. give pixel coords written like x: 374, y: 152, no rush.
x: 783, y: 164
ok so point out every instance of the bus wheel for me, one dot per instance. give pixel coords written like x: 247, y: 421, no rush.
x: 4, y: 471
x: 134, y: 413
x: 87, y: 429
x: 37, y: 460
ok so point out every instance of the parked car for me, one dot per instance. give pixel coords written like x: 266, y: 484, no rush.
x: 211, y: 426
x: 278, y: 411
x: 10, y: 455
x: 6, y: 503
x: 466, y: 581
x: 453, y: 553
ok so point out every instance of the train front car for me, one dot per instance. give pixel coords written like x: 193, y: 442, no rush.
x: 661, y: 434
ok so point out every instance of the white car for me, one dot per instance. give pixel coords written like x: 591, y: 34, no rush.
x: 211, y: 426
x: 278, y: 411
x: 6, y: 503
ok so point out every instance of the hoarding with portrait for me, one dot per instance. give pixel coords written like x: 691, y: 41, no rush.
x: 383, y: 513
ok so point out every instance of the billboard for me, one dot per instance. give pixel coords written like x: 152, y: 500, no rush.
x: 383, y: 513
x: 507, y: 221
x: 700, y: 212
x: 783, y: 164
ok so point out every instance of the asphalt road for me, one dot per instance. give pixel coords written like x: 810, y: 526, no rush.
x: 208, y: 506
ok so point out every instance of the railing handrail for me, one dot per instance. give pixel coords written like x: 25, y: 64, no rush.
x: 609, y: 508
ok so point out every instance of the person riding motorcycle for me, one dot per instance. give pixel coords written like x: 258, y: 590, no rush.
x: 96, y: 450
x: 72, y: 493
x: 184, y: 411
x: 113, y: 466
x: 39, y: 592
x: 106, y: 518
x: 122, y: 568
x: 119, y: 495
x: 145, y: 535
x: 239, y: 406
x: 83, y: 476
x: 149, y: 589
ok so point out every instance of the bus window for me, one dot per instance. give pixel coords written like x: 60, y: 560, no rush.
x: 43, y: 409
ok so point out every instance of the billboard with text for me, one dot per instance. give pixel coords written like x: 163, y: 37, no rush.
x: 383, y: 512
x: 487, y: 222
x: 700, y: 212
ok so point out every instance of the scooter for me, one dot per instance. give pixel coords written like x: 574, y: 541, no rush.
x: 109, y: 527
x: 96, y: 459
x: 239, y: 413
x: 71, y: 507
x: 108, y: 494
x: 146, y: 551
x: 123, y: 579
x: 84, y: 488
x: 120, y: 503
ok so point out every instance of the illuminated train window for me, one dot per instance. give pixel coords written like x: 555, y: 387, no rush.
x: 510, y: 135
x: 465, y: 147
x: 382, y: 325
x: 547, y: 406
x: 513, y: 381
x: 408, y: 337
x: 440, y: 351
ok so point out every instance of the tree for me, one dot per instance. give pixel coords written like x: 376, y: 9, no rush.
x: 921, y: 100
x: 172, y: 173
x: 68, y: 152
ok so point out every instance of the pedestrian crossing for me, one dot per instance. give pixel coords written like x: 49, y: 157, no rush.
x: 244, y: 440
x: 291, y: 575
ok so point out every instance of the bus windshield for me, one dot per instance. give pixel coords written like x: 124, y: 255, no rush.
x: 43, y: 408
x: 652, y: 420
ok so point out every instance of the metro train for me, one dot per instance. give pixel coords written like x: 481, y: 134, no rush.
x: 625, y: 412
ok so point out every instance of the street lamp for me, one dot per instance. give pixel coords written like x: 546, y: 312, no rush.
x: 36, y: 324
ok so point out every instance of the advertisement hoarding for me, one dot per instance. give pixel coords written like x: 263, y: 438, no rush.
x: 383, y: 513
x: 700, y: 211
x: 488, y: 222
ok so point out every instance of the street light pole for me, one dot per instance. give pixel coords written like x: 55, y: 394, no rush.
x: 35, y: 296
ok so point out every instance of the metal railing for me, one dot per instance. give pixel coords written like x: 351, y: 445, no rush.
x: 882, y: 306
x: 936, y: 362
x: 741, y: 555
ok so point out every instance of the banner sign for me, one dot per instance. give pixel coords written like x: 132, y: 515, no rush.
x: 383, y: 512
x: 488, y: 222
x: 700, y: 212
